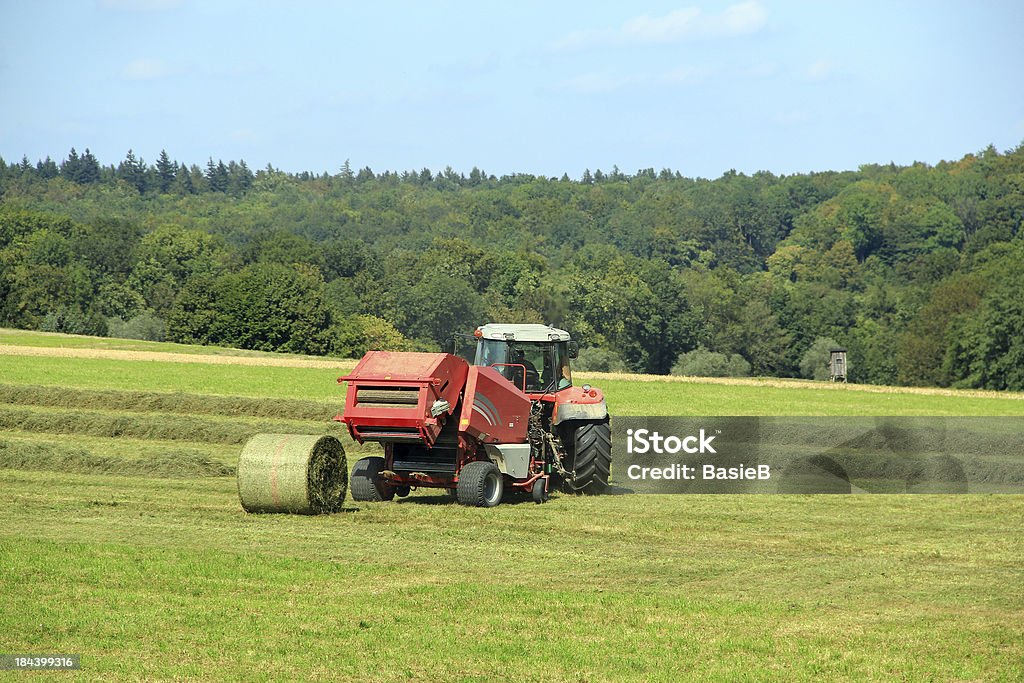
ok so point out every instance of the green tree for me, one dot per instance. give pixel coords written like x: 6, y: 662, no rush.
x: 169, y: 256
x: 216, y: 176
x: 269, y: 307
x: 987, y: 349
x: 703, y: 363
x: 814, y: 361
x: 166, y: 172
x: 437, y: 306
x: 133, y: 171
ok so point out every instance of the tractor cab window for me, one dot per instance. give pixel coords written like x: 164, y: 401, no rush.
x: 539, y: 366
x: 491, y: 352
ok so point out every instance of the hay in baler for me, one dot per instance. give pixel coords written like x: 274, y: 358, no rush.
x: 295, y: 473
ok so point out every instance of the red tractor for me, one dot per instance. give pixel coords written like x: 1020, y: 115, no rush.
x: 498, y: 413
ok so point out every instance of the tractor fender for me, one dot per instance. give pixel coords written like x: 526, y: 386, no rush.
x: 575, y: 404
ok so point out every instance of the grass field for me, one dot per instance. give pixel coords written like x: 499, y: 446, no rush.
x: 121, y: 539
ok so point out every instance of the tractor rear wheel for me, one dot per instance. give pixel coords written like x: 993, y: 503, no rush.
x: 592, y: 457
x: 365, y: 483
x: 480, y: 485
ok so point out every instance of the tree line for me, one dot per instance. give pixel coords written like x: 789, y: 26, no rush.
x: 914, y: 269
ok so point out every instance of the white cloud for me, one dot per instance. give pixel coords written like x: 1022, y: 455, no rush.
x: 681, y: 24
x: 667, y: 29
x: 738, y: 20
x: 145, y: 70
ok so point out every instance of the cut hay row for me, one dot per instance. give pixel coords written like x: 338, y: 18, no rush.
x: 126, y: 448
x: 148, y: 426
x: 181, y: 463
x: 282, y: 361
x: 162, y: 402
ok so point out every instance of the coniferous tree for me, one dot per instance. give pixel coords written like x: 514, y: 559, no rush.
x: 345, y: 173
x: 198, y: 180
x: 71, y: 167
x: 133, y: 171
x: 245, y: 176
x: 182, y: 183
x: 166, y: 171
x: 217, y: 176
x: 239, y: 178
x: 89, y: 169
x: 47, y: 169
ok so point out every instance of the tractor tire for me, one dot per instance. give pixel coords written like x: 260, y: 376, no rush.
x: 592, y: 457
x: 365, y: 484
x: 480, y: 485
x: 402, y: 491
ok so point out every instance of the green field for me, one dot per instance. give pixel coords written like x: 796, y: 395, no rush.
x: 627, y: 397
x: 121, y: 539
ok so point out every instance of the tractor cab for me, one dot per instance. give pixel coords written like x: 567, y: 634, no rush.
x: 533, y: 357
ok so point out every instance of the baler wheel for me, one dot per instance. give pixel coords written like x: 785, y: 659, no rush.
x: 365, y: 483
x: 480, y: 485
x: 540, y: 492
x: 593, y: 457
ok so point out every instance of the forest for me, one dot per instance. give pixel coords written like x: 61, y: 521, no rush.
x: 916, y: 270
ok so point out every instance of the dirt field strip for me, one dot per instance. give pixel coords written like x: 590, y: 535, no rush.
x: 781, y: 383
x: 168, y: 357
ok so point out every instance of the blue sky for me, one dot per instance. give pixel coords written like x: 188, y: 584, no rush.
x: 532, y: 87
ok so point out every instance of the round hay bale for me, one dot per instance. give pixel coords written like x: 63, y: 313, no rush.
x: 295, y: 473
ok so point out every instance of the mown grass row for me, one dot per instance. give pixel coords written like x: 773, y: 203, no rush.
x: 150, y: 425
x: 178, y: 463
x: 164, y: 402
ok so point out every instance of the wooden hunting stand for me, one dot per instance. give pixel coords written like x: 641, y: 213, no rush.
x: 837, y: 365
